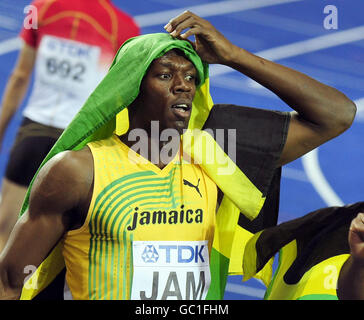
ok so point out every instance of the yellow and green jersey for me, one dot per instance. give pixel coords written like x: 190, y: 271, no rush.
x: 148, y: 232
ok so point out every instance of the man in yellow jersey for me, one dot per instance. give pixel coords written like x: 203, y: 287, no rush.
x: 138, y: 227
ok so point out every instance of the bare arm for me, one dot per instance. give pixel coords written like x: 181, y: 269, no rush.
x: 321, y: 112
x: 351, y: 277
x: 58, y: 202
x: 16, y: 87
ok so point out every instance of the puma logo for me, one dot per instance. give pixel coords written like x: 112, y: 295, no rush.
x: 187, y: 183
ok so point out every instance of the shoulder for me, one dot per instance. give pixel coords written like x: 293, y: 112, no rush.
x: 63, y: 182
x: 67, y: 165
x: 43, y: 6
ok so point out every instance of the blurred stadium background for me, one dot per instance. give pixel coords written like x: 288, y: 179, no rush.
x: 295, y: 33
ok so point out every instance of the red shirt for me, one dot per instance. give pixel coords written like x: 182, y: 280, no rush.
x: 94, y: 22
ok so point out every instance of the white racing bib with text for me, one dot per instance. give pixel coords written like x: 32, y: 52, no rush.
x: 170, y: 270
x: 66, y: 73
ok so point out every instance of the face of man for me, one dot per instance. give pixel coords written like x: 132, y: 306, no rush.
x: 167, y: 92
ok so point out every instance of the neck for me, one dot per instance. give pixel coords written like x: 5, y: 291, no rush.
x: 153, y: 149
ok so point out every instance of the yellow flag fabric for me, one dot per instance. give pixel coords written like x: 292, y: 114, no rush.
x: 312, y: 250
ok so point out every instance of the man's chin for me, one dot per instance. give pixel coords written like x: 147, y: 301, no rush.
x: 180, y: 126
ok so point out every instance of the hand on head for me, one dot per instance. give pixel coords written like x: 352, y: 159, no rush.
x: 356, y: 237
x: 209, y: 43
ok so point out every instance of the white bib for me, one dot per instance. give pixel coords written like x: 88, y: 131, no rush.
x: 67, y: 65
x: 170, y: 270
x: 66, y: 73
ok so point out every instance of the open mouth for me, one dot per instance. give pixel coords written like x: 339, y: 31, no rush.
x: 181, y: 109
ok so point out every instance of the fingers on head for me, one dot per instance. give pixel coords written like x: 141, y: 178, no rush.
x: 358, y: 222
x: 361, y: 216
x: 186, y: 20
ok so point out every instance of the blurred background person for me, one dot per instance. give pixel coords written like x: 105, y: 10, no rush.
x: 70, y: 46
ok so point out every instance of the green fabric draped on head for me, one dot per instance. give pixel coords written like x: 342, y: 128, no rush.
x: 105, y: 111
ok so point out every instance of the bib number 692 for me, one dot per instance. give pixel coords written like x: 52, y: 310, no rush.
x: 65, y: 69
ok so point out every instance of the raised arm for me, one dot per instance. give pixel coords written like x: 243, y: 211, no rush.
x: 16, y: 87
x: 58, y: 203
x: 321, y: 112
x: 351, y: 277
